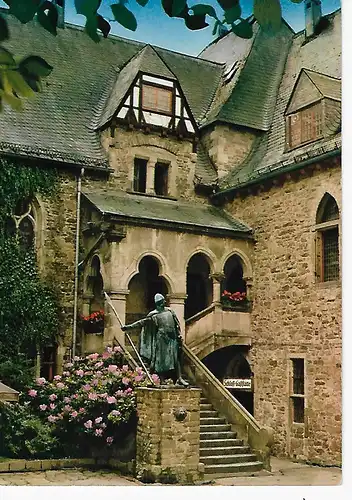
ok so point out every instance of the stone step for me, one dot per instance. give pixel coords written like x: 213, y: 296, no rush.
x: 208, y: 414
x: 229, y: 459
x: 219, y: 443
x: 206, y: 407
x: 226, y: 450
x: 203, y: 401
x: 217, y: 435
x: 212, y: 420
x: 229, y: 469
x: 214, y: 428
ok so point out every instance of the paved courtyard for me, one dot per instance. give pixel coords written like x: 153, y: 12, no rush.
x: 284, y: 473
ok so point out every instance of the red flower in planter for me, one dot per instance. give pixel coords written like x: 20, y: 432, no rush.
x: 231, y: 298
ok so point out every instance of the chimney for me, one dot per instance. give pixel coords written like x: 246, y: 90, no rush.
x: 312, y: 10
x: 60, y: 6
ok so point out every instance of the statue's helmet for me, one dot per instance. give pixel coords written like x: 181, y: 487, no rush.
x: 159, y: 298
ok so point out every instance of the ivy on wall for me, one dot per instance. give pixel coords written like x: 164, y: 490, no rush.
x: 28, y: 306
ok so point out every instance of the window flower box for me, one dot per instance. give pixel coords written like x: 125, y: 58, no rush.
x: 94, y: 322
x: 235, y: 301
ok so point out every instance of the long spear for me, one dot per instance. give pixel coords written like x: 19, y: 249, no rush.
x: 107, y: 298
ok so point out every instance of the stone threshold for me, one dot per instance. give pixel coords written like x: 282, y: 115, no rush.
x: 18, y: 465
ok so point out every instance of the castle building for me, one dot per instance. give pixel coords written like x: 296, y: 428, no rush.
x: 214, y: 180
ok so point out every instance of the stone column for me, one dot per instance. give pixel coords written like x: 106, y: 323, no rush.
x: 177, y: 303
x: 249, y: 284
x: 168, y: 435
x: 150, y: 177
x: 217, y: 279
x: 113, y: 328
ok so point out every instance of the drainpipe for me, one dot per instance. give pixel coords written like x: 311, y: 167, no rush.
x: 75, y: 303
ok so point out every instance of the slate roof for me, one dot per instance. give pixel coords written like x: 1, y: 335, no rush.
x: 59, y: 122
x: 205, y: 171
x: 320, y: 55
x: 204, y: 218
x: 252, y: 101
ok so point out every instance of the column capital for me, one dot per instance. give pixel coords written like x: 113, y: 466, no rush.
x: 218, y: 276
x: 118, y: 294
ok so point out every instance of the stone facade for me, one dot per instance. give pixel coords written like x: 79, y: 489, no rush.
x: 294, y: 316
x: 168, y: 435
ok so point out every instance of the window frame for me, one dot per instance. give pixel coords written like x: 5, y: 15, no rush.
x: 293, y: 396
x: 300, y: 113
x: 134, y: 177
x: 320, y: 228
x: 158, y: 87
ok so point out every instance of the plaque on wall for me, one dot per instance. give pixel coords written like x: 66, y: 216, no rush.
x: 238, y: 383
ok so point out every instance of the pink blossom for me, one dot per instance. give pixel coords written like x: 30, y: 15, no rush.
x: 94, y: 356
x: 75, y: 396
x: 80, y: 373
x: 74, y: 414
x: 67, y: 408
x: 112, y: 368
x: 32, y: 393
x: 67, y: 400
x: 109, y: 439
x: 60, y: 385
x: 52, y: 406
x: 155, y: 378
x: 106, y: 355
x: 82, y: 410
x: 125, y: 380
x: 40, y: 381
x: 138, y: 378
x: 119, y: 393
x: 69, y: 365
x: 98, y: 420
x: 103, y: 395
x: 52, y: 397
x: 93, y: 396
x: 87, y: 387
x: 99, y: 373
x: 99, y: 364
x: 125, y: 368
x: 109, y: 350
x: 103, y: 426
x: 115, y: 413
x: 111, y: 400
x: 76, y: 358
x: 52, y: 418
x: 65, y: 374
x: 95, y: 381
x: 57, y: 377
x: 117, y: 349
x: 43, y: 407
x: 88, y: 424
x: 88, y: 373
x: 98, y: 432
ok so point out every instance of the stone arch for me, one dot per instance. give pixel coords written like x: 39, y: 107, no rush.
x: 210, y: 256
x: 163, y: 269
x: 327, y: 201
x: 146, y: 142
x: 246, y: 263
x: 199, y: 286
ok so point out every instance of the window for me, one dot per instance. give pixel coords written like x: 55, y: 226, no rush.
x: 22, y: 224
x: 161, y: 179
x: 327, y: 240
x: 140, y: 175
x: 156, y: 99
x: 297, y: 390
x: 304, y: 126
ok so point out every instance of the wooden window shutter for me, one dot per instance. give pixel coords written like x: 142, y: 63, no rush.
x: 319, y: 256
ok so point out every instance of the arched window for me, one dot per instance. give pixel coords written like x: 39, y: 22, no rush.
x: 327, y: 266
x: 23, y: 224
x: 199, y: 285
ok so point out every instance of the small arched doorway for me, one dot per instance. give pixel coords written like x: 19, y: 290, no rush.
x: 231, y: 367
x: 199, y: 285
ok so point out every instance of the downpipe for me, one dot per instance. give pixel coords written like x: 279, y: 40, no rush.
x: 78, y: 227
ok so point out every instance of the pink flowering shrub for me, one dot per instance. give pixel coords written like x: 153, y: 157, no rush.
x: 92, y: 403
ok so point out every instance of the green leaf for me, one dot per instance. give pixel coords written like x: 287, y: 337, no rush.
x: 178, y: 6
x: 195, y: 22
x: 124, y: 17
x: 4, y: 30
x: 202, y: 9
x: 143, y: 3
x: 24, y: 10
x: 36, y: 65
x: 296, y: 1
x: 47, y: 16
x: 87, y: 7
x: 12, y: 100
x: 91, y: 28
x: 103, y: 25
x: 268, y: 14
x: 215, y: 29
x: 244, y: 29
x: 168, y: 6
x: 231, y: 15
x: 6, y: 59
x: 18, y: 84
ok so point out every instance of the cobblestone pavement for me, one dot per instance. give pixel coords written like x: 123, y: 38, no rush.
x: 284, y: 473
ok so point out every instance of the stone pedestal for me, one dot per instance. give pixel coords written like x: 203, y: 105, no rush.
x: 168, y: 435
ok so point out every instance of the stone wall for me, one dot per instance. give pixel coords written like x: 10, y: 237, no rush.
x: 294, y: 316
x: 168, y: 435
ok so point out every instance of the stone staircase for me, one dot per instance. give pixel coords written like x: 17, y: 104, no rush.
x: 220, y: 450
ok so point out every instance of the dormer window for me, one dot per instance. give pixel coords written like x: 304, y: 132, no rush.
x: 157, y: 99
x: 304, y: 126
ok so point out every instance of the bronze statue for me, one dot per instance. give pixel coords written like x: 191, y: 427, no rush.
x: 161, y: 341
